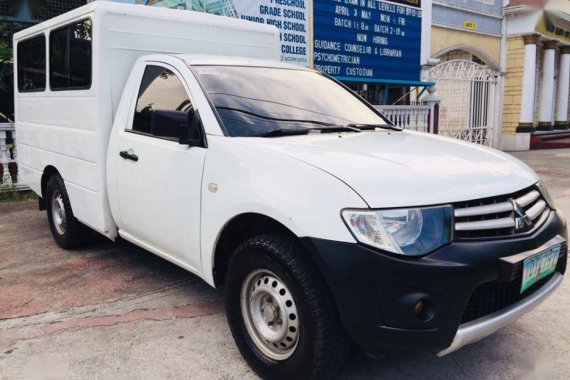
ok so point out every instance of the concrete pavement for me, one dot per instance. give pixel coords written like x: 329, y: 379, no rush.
x: 113, y: 311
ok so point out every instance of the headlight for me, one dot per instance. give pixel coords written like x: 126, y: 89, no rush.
x: 411, y: 232
x: 544, y: 192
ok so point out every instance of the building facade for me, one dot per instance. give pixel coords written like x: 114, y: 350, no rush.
x: 538, y: 72
x: 466, y: 50
x: 502, y: 69
x: 471, y: 30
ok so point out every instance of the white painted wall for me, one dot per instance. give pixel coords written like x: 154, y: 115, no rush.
x: 426, y: 31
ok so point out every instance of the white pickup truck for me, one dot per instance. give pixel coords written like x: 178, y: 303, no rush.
x: 325, y: 223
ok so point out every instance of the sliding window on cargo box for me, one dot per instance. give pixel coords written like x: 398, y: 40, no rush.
x: 71, y: 58
x: 31, y: 55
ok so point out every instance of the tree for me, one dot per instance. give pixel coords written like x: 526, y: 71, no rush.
x: 6, y: 84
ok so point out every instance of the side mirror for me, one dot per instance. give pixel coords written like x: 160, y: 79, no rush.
x: 192, y: 134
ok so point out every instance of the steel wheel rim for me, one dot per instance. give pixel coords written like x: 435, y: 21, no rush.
x: 270, y: 314
x: 58, y: 212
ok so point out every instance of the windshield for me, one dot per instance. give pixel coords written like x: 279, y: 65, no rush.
x: 255, y: 101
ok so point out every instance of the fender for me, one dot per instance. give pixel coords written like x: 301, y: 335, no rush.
x: 241, y: 177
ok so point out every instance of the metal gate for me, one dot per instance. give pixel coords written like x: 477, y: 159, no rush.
x: 468, y: 108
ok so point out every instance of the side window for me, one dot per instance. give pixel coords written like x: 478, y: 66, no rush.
x: 32, y: 64
x: 162, y: 104
x: 70, y: 51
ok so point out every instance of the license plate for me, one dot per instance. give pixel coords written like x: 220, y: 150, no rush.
x: 539, y: 266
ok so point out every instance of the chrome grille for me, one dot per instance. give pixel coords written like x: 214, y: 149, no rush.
x: 503, y: 215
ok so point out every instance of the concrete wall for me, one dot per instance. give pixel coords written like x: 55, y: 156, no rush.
x: 482, y: 17
x: 490, y: 7
x: 444, y: 38
x: 513, y: 85
x: 510, y: 140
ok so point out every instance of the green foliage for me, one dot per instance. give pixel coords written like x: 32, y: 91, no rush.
x: 6, y: 82
x: 5, y: 53
x: 9, y: 193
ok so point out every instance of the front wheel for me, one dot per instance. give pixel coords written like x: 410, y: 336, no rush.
x: 281, y: 313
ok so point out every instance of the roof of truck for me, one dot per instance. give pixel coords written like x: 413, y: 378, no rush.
x: 219, y: 60
x: 143, y: 11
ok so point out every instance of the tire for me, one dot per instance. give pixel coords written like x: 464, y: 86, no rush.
x: 316, y: 344
x: 66, y: 230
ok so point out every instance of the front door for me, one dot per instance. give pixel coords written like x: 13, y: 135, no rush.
x: 159, y: 180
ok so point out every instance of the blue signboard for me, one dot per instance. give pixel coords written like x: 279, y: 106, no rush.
x: 368, y: 40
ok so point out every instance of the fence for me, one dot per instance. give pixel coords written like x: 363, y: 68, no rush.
x: 8, y: 165
x: 468, y: 108
x: 422, y: 117
x: 415, y: 118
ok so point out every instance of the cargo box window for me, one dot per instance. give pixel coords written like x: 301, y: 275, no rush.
x: 32, y: 64
x: 70, y: 51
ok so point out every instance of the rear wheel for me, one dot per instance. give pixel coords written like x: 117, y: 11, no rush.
x: 66, y: 230
x: 281, y: 312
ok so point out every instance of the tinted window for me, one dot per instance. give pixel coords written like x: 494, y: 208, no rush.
x: 32, y: 64
x: 162, y: 104
x: 70, y: 57
x: 256, y: 100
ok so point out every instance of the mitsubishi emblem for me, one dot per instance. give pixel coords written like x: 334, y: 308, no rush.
x: 522, y: 220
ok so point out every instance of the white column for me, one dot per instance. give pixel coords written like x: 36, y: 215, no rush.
x: 4, y: 154
x: 528, y: 84
x: 563, y: 89
x: 433, y: 99
x: 545, y: 115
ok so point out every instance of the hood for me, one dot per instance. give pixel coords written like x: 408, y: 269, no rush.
x: 401, y: 169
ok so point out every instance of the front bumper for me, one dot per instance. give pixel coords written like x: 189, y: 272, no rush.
x: 471, y: 332
x: 376, y: 292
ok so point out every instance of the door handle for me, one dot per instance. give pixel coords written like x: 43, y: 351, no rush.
x: 129, y: 156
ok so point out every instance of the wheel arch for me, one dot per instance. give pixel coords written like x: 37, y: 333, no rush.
x: 49, y: 171
x: 237, y: 230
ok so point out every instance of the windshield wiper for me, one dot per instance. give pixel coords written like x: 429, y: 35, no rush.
x: 336, y: 128
x: 329, y: 128
x: 281, y: 132
x: 371, y: 127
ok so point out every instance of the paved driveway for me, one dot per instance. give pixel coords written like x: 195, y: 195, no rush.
x: 113, y: 311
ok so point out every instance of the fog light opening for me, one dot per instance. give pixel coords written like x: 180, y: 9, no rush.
x: 419, y: 307
x: 424, y: 309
